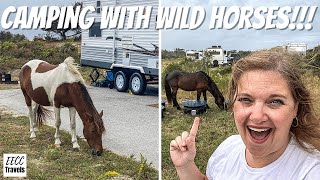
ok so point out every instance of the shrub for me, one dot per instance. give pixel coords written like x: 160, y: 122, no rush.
x: 6, y: 48
x: 14, y: 54
x: 170, y: 68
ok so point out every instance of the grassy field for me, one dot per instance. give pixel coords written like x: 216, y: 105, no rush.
x: 44, y: 161
x: 215, y: 125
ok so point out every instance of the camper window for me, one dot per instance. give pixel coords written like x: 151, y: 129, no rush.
x: 215, y: 53
x: 95, y: 30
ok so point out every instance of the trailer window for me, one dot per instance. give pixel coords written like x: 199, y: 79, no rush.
x: 215, y: 52
x: 95, y: 30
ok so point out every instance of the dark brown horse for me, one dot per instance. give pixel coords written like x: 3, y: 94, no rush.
x: 62, y: 85
x: 198, y: 81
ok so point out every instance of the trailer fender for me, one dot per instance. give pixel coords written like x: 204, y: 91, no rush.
x: 121, y: 66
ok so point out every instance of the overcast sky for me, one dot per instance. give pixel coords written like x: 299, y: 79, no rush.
x: 246, y: 39
x: 201, y: 38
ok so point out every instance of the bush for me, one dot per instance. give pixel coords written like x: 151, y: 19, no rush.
x: 177, y: 53
x: 14, y: 54
x: 8, y: 36
x: 6, y: 48
x: 170, y: 68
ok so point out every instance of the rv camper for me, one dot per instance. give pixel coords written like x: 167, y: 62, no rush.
x: 194, y: 55
x: 300, y: 48
x: 217, y: 55
x: 130, y: 55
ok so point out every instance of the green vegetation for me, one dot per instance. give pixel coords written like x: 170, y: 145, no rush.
x: 215, y: 125
x: 44, y: 161
x: 16, y: 50
x: 14, y: 54
x: 177, y: 53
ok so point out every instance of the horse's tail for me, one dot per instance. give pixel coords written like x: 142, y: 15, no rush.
x: 168, y: 90
x: 42, y: 114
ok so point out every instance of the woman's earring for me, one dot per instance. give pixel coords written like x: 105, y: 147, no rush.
x: 295, y: 122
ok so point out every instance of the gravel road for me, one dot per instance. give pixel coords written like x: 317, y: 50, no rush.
x: 131, y: 121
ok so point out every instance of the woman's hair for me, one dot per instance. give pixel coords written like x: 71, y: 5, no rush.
x: 308, y: 130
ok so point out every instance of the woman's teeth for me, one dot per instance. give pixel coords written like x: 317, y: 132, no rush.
x: 258, y: 130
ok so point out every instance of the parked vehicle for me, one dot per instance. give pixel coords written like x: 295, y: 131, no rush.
x: 217, y: 55
x: 233, y: 57
x: 132, y: 56
x: 194, y: 55
x: 300, y: 48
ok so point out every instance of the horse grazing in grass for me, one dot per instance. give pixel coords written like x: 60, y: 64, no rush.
x: 198, y: 81
x: 62, y: 85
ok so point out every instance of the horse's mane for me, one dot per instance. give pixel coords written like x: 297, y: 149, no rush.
x: 73, y: 67
x: 210, y: 81
x: 96, y: 117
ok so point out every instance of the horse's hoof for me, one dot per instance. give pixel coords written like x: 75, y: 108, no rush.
x: 33, y: 136
x: 76, y: 149
x: 57, y: 145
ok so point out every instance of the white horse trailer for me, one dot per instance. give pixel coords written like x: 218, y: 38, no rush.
x: 131, y: 55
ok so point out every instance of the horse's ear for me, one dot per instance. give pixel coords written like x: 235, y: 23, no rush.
x: 101, y: 114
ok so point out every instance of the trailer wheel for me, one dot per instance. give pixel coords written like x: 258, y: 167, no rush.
x: 215, y: 63
x: 138, y: 83
x: 121, y: 81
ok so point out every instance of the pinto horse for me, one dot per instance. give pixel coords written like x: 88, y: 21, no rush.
x: 198, y: 81
x: 62, y: 85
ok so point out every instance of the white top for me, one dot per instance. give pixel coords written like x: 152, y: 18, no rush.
x: 228, y: 162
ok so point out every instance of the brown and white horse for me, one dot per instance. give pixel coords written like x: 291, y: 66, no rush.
x: 62, y: 85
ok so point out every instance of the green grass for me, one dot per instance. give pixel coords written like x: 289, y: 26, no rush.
x: 215, y: 125
x: 44, y: 161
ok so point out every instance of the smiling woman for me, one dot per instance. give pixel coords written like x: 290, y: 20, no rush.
x: 275, y: 65
x: 279, y: 133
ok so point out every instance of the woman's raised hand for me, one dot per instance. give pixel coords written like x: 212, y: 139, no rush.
x: 183, y: 148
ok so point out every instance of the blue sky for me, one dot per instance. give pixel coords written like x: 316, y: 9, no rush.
x: 246, y: 39
x: 201, y: 38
